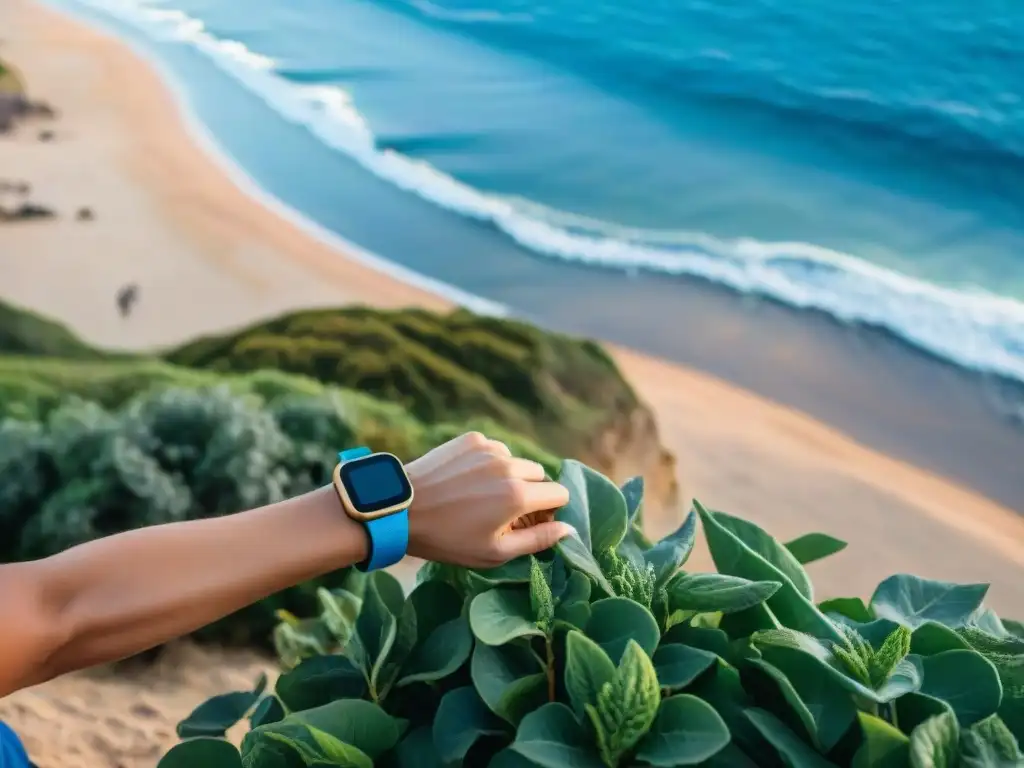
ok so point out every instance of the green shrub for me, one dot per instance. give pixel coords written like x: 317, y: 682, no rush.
x: 604, y: 653
x: 26, y: 333
x: 550, y: 387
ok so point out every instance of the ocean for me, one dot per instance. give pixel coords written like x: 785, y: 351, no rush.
x: 863, y: 160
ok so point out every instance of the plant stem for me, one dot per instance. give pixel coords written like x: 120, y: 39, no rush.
x: 550, y: 667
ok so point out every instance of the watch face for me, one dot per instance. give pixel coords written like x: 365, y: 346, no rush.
x: 375, y: 483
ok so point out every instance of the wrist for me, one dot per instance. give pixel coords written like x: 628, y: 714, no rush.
x: 352, y: 541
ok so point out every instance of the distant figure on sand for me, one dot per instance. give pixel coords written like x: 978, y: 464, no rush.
x: 126, y: 298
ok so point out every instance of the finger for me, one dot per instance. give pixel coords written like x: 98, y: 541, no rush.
x: 541, y: 496
x: 533, y: 518
x: 525, y: 469
x: 529, y: 541
x: 498, y: 448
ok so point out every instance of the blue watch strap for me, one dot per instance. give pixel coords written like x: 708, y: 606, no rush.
x: 389, y: 536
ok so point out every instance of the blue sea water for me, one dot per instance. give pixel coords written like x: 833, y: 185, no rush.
x: 862, y: 159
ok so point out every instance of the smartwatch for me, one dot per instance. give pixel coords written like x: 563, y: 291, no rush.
x: 375, y: 491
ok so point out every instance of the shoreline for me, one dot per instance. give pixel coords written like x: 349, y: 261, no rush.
x: 215, y: 230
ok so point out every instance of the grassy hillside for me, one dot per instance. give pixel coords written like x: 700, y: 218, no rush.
x: 26, y: 333
x: 552, y: 387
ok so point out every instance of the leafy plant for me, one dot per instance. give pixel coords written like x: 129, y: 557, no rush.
x: 604, y: 653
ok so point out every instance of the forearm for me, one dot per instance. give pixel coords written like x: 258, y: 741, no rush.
x: 118, y: 596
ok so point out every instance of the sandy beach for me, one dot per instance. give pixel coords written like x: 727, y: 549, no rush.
x: 207, y: 255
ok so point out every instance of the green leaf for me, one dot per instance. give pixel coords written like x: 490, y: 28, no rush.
x: 614, y: 621
x: 965, y: 680
x: 768, y: 549
x: 852, y: 608
x: 318, y: 681
x: 626, y: 706
x: 447, y: 649
x: 814, y: 546
x: 418, y: 750
x: 734, y: 555
x: 911, y: 600
x: 935, y: 742
x: 884, y: 746
x: 989, y: 744
x: 572, y: 607
x: 633, y: 492
x: 509, y: 679
x: 552, y: 738
x: 686, y: 731
x: 338, y: 753
x: 376, y: 629
x: 794, y: 752
x: 269, y: 710
x: 500, y: 615
x: 884, y: 661
x: 203, y: 752
x: 578, y: 554
x: 215, y: 715
x: 669, y: 554
x: 931, y: 638
x: 679, y: 665
x: 587, y: 669
x: 461, y: 719
x: 820, y: 701
x: 717, y: 592
x: 542, y: 602
x: 339, y: 611
x: 596, y: 508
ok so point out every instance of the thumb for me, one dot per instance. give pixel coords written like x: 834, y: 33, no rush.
x: 536, y: 538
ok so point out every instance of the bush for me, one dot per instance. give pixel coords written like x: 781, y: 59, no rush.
x: 603, y: 652
x: 547, y: 386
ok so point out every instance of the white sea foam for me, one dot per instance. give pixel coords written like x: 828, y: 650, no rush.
x: 972, y: 328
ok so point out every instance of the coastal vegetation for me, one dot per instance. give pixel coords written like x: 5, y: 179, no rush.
x: 92, y: 443
x: 604, y: 652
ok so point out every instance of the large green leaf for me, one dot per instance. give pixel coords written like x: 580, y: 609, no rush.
x: 614, y: 621
x: 552, y: 738
x: 269, y: 710
x: 912, y: 601
x: 354, y: 722
x: 794, y: 752
x: 339, y: 611
x: 215, y: 715
x: 202, y: 752
x: 717, y: 592
x: 446, y: 649
x: 509, y: 679
x: 820, y: 701
x: 679, y: 665
x: 669, y: 554
x: 769, y: 549
x: 587, y: 669
x: 931, y: 638
x: 686, y: 731
x: 376, y: 630
x: 965, y: 680
x: 935, y: 743
x: 733, y: 555
x: 578, y: 554
x: 814, y: 546
x: 318, y: 681
x: 500, y: 615
x: 596, y: 508
x: 418, y: 750
x: 989, y: 744
x: 851, y: 608
x: 883, y: 747
x: 337, y: 753
x: 462, y: 719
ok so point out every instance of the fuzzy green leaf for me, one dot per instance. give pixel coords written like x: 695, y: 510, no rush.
x: 587, y: 669
x: 935, y: 742
x: 596, y: 508
x: 795, y: 752
x: 509, y: 679
x: 542, y: 602
x: 551, y: 737
x: 318, y: 681
x: 615, y: 621
x: 578, y: 554
x: 814, y: 546
x: 717, y: 592
x: 679, y: 665
x: 911, y: 600
x: 989, y: 744
x: 215, y: 715
x: 500, y: 615
x: 626, y: 705
x: 668, y: 555
x: 337, y: 753
x: 965, y: 680
x: 884, y: 746
x: 462, y: 719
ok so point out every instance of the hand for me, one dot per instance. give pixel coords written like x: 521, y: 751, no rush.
x: 476, y: 505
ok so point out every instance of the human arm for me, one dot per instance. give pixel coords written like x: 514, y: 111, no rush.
x: 118, y: 596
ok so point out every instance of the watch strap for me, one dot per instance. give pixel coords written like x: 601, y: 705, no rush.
x: 388, y: 536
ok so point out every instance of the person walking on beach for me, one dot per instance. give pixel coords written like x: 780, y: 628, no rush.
x: 118, y: 596
x: 126, y: 298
